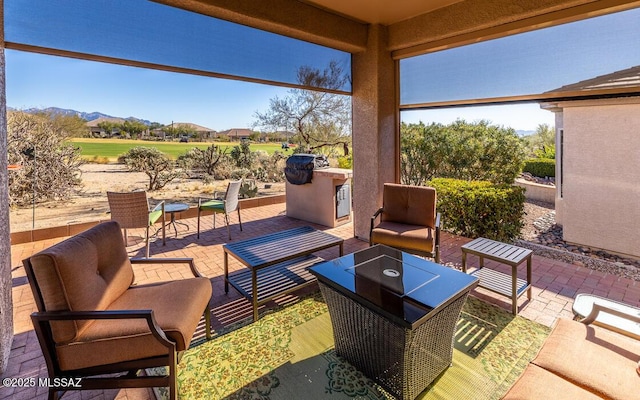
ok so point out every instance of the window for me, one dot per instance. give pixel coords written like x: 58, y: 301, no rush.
x: 152, y: 35
x: 541, y: 64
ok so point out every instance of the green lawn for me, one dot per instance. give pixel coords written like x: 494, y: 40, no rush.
x: 112, y: 148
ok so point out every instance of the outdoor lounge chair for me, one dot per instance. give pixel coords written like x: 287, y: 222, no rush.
x: 408, y: 220
x: 91, y: 321
x: 582, y: 361
x: 131, y: 210
x: 226, y: 205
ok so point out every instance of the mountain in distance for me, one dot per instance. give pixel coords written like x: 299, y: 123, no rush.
x: 523, y: 133
x: 84, y: 115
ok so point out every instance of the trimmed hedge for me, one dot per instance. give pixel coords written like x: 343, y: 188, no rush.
x: 480, y: 209
x: 540, y: 167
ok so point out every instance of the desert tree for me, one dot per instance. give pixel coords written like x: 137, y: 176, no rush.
x: 542, y: 143
x: 206, y: 160
x: 109, y: 127
x: 155, y: 164
x: 71, y: 126
x: 49, y: 165
x: 134, y: 127
x: 319, y: 118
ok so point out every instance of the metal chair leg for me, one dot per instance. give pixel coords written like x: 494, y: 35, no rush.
x: 198, y: 235
x: 146, y: 239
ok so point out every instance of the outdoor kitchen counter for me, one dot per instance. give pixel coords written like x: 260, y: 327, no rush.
x: 326, y: 200
x: 334, y: 173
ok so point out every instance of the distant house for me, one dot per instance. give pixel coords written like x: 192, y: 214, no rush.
x: 97, y: 131
x: 597, y: 164
x: 202, y: 131
x: 237, y: 134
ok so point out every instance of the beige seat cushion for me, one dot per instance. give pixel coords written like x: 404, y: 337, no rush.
x: 177, y: 306
x: 406, y: 204
x: 539, y: 384
x: 85, y: 272
x: 598, y: 360
x: 403, y: 236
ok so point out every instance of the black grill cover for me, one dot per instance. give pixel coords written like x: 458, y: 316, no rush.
x: 299, y: 168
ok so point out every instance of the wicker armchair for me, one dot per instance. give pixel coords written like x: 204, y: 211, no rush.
x: 226, y: 205
x: 408, y: 220
x: 131, y: 210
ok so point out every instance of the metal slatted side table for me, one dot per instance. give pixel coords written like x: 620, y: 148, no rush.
x: 495, y: 281
x: 276, y: 263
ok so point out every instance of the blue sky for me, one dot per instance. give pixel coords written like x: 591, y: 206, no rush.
x: 35, y: 80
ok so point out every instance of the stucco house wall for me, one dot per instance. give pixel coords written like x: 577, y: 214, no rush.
x: 598, y: 199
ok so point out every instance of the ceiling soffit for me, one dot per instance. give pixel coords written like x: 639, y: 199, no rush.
x: 381, y: 12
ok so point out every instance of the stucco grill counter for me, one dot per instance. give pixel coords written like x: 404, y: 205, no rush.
x: 319, y: 194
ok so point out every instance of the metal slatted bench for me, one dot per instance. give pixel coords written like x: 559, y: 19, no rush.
x: 277, y: 263
x: 495, y: 281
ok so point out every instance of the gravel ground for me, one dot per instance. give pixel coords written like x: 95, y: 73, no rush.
x: 533, y: 211
x: 544, y: 237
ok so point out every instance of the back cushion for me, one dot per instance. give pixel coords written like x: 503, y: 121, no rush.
x: 83, y: 273
x: 408, y: 204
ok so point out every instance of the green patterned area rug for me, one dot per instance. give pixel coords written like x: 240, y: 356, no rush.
x: 288, y: 354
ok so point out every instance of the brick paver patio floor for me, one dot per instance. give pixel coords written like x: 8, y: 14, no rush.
x: 555, y: 284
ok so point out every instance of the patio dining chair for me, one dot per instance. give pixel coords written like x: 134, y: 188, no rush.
x: 131, y: 210
x: 223, y: 205
x: 408, y: 220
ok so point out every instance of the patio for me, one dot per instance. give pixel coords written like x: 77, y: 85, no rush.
x: 555, y: 285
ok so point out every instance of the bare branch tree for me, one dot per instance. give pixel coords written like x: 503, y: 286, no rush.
x: 155, y: 164
x: 49, y: 166
x: 318, y: 118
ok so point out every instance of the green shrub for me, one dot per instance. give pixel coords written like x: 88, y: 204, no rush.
x: 248, y: 189
x: 480, y: 209
x: 541, y: 167
x: 270, y: 168
x: 476, y: 151
x: 345, y: 162
x: 240, y: 173
x: 546, y: 152
x: 206, y: 160
x: 155, y: 164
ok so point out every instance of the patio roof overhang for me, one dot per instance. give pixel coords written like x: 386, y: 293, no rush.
x: 414, y: 27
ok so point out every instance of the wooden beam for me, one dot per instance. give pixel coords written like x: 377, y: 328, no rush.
x: 285, y: 17
x: 475, y: 21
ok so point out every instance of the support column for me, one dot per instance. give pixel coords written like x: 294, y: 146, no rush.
x: 6, y: 303
x: 375, y: 127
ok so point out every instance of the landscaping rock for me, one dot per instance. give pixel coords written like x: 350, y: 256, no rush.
x: 544, y: 237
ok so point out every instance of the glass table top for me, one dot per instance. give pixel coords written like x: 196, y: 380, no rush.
x: 402, y: 285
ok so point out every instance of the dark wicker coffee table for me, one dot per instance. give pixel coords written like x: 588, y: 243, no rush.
x: 277, y: 263
x: 394, y: 315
